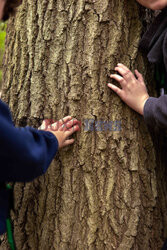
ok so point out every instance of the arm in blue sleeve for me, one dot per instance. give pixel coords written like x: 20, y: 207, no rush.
x: 155, y: 112
x: 25, y: 153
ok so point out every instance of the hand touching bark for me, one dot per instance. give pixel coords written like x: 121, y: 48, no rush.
x: 62, y: 129
x: 133, y: 92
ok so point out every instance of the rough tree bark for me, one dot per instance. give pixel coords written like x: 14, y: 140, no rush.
x: 103, y: 192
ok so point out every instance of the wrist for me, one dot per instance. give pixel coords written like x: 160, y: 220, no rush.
x: 141, y: 111
x: 58, y: 136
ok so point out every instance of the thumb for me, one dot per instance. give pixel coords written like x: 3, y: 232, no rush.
x: 139, y: 76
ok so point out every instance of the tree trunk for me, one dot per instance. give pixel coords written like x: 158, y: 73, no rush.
x: 103, y: 192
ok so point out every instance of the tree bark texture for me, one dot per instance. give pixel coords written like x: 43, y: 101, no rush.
x: 103, y: 192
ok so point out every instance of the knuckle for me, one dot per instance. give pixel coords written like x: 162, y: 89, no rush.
x: 129, y: 86
x: 118, y: 91
x: 127, y: 72
x: 121, y: 80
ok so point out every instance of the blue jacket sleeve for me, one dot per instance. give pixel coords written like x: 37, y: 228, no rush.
x: 25, y: 153
x: 155, y: 112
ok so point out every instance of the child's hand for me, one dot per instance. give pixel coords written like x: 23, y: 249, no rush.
x: 62, y: 129
x: 133, y: 92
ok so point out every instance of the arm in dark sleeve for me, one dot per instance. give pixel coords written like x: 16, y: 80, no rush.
x: 155, y: 112
x: 25, y: 153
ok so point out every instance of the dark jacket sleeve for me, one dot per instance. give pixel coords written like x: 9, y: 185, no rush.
x: 25, y: 153
x: 155, y: 112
